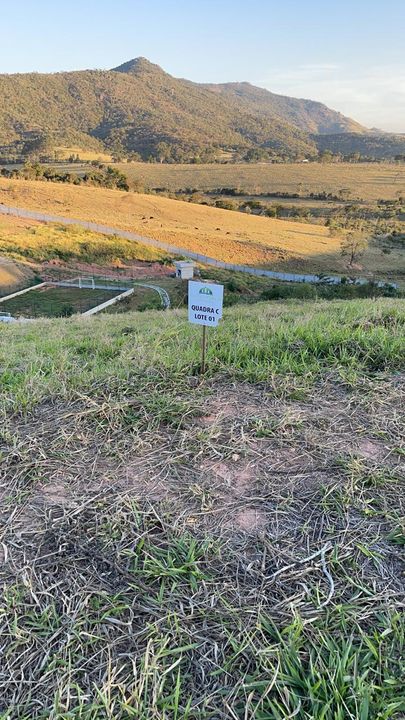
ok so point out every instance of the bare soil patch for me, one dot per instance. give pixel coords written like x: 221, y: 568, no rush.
x: 129, y: 271
x: 274, y: 500
x: 248, y: 454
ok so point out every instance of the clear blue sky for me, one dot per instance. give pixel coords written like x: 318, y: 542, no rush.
x: 349, y: 54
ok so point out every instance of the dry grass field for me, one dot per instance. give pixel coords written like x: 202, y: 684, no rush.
x: 12, y: 274
x: 231, y: 547
x: 38, y: 242
x: 88, y: 155
x: 229, y: 236
x: 369, y: 181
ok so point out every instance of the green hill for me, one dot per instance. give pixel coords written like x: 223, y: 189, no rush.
x: 134, y: 108
x: 230, y: 546
x: 139, y: 108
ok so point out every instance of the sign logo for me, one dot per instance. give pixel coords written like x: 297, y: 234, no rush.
x: 205, y: 303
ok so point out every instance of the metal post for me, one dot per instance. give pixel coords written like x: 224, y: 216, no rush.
x: 204, y: 349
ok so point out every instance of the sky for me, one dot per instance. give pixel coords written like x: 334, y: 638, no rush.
x: 349, y: 54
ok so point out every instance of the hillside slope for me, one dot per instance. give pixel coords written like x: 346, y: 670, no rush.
x: 135, y: 107
x: 367, y: 145
x: 234, y: 237
x: 174, y: 546
x: 310, y: 116
x: 225, y: 235
x: 139, y: 108
x: 13, y: 274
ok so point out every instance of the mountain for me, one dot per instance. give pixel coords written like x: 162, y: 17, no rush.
x: 139, y: 108
x: 310, y: 116
x: 136, y: 107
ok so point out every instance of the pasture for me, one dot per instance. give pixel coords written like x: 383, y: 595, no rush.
x: 222, y: 234
x: 369, y: 181
x: 64, y: 153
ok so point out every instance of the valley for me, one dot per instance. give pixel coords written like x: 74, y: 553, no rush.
x: 367, y: 181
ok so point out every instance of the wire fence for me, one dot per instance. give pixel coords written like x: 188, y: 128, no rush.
x: 38, y: 304
x: 183, y: 252
x: 64, y: 298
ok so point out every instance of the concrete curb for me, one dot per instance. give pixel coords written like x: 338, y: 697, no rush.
x: 22, y: 292
x: 107, y: 303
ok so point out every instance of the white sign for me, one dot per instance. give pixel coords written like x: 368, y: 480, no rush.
x: 205, y: 302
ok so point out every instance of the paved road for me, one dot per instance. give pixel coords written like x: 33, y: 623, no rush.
x: 203, y: 259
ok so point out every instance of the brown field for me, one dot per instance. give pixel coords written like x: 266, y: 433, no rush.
x: 88, y: 155
x: 12, y: 274
x: 226, y: 235
x: 368, y: 181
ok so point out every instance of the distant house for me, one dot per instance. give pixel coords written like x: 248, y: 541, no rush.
x: 184, y: 269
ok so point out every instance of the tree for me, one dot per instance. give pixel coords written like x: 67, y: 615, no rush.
x: 134, y: 157
x: 35, y: 145
x: 163, y: 152
x: 353, y: 246
x: 326, y: 156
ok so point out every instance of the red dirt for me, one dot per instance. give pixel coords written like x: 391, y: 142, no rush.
x: 133, y: 271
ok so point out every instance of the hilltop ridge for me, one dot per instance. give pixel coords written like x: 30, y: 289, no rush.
x: 138, y: 108
x: 309, y: 115
x: 137, y: 66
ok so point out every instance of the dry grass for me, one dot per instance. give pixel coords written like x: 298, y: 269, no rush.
x: 187, y: 550
x: 369, y: 181
x: 12, y: 274
x: 38, y: 242
x: 87, y: 155
x: 226, y: 235
x: 230, y: 236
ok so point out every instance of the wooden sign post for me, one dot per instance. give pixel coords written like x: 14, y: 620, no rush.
x: 205, y: 302
x: 204, y: 348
